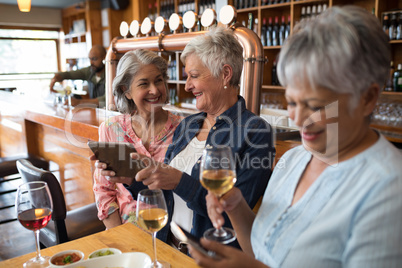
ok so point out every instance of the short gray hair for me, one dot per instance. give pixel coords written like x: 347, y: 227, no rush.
x: 344, y: 50
x: 219, y: 46
x: 128, y: 67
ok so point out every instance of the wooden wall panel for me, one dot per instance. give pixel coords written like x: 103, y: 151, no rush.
x: 12, y: 136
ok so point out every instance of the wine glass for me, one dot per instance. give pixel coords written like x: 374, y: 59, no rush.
x: 218, y: 175
x: 34, y: 208
x: 152, y: 216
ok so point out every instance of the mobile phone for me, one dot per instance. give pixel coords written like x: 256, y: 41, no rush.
x: 188, y: 238
x: 117, y: 157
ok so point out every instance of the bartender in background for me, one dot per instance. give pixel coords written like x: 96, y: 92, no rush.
x: 94, y: 75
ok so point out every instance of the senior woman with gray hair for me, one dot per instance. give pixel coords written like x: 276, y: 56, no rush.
x: 338, y: 201
x: 140, y: 91
x: 213, y: 63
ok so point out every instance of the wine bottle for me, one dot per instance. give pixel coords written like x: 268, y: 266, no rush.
x: 287, y: 29
x: 308, y: 12
x: 282, y: 28
x: 150, y: 13
x: 399, y: 28
x: 275, y: 81
x: 255, y: 26
x: 269, y: 32
x: 250, y: 23
x: 397, y: 79
x: 213, y: 5
x: 385, y: 24
x: 275, y: 32
x: 303, y: 13
x: 155, y: 10
x: 313, y: 11
x: 389, y: 82
x: 264, y: 32
x: 392, y: 27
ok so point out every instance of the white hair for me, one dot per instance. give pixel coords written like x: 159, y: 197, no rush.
x: 219, y: 46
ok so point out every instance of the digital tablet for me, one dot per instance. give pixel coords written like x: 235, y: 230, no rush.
x: 117, y: 157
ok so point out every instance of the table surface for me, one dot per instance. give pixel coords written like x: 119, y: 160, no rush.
x: 126, y: 237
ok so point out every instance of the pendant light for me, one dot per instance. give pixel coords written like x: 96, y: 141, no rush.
x: 24, y: 5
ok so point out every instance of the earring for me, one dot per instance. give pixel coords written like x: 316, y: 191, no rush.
x: 225, y: 87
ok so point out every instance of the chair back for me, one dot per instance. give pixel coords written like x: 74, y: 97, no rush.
x: 30, y: 173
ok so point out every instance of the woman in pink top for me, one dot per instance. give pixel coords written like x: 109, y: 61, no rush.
x: 140, y: 91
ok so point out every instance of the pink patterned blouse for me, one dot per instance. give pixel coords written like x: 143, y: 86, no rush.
x: 114, y: 196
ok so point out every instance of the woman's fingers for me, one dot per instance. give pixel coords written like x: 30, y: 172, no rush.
x: 215, y: 210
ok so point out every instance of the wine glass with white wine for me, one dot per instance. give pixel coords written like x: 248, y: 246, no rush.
x: 34, y: 208
x: 218, y: 175
x: 152, y: 216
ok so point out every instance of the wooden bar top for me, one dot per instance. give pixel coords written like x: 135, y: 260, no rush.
x: 126, y: 237
x: 82, y: 120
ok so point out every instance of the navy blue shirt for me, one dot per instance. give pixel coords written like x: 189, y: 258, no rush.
x: 251, y: 140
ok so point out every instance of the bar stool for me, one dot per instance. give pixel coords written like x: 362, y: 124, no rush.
x: 65, y: 225
x: 9, y: 173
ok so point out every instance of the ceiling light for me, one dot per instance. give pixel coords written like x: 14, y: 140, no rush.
x: 24, y: 5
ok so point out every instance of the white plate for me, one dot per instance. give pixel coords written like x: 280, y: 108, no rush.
x: 114, y: 251
x: 126, y: 260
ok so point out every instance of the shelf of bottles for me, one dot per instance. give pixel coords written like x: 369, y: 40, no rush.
x: 392, y: 26
x: 273, y: 21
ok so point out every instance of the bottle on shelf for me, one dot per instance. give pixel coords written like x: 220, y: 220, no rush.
x: 393, y: 27
x: 155, y: 10
x: 287, y: 28
x: 203, y: 6
x: 264, y: 32
x: 250, y: 23
x: 282, y: 29
x: 150, y: 12
x: 274, y: 76
x: 385, y: 23
x: 397, y: 79
x: 269, y: 32
x: 255, y: 26
x: 399, y: 28
x: 275, y: 32
x: 313, y: 11
x: 303, y: 13
x: 308, y: 12
x: 389, y: 82
x: 213, y: 4
x: 319, y: 9
x: 174, y: 99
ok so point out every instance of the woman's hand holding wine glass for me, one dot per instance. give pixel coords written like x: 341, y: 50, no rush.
x: 34, y: 208
x: 218, y: 175
x: 152, y: 216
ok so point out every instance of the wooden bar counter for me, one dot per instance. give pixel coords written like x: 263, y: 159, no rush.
x: 57, y: 134
x: 126, y: 237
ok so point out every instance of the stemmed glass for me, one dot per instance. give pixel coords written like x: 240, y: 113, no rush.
x: 152, y: 216
x: 218, y: 175
x: 34, y: 208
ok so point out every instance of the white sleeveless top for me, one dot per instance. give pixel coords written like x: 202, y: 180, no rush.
x: 184, y: 162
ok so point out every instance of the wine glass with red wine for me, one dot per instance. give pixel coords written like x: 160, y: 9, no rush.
x: 34, y: 208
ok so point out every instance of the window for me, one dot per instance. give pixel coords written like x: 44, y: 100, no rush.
x: 28, y: 59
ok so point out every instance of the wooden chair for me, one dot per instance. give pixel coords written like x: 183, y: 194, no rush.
x: 9, y: 178
x: 65, y: 225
